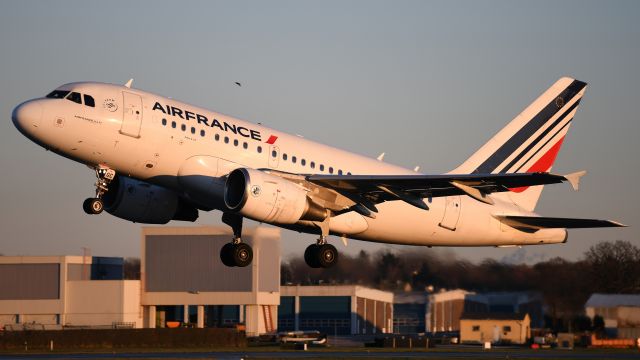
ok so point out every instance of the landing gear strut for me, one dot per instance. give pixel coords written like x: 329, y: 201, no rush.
x: 95, y: 205
x: 235, y: 253
x: 321, y: 254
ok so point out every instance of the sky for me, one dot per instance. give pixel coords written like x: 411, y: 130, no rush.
x: 426, y: 82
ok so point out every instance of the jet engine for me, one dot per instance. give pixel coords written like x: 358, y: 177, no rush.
x: 142, y: 202
x: 269, y: 198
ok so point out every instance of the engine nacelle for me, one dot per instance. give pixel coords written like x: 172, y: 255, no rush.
x: 269, y: 198
x: 142, y: 202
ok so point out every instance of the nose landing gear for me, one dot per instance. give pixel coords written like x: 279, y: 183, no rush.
x: 235, y: 253
x: 95, y: 205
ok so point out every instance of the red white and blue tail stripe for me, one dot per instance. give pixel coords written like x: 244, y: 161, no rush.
x: 531, y: 141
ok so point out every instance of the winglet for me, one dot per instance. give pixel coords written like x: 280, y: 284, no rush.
x: 574, y: 179
x: 380, y: 157
x: 128, y: 84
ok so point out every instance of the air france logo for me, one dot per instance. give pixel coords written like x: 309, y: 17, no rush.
x: 110, y: 104
x: 202, y: 119
x: 255, y: 190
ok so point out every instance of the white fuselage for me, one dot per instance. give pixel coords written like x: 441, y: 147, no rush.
x: 131, y: 131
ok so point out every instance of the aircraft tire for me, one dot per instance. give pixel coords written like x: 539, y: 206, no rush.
x: 93, y: 206
x: 326, y: 255
x: 242, y: 255
x: 226, y: 255
x: 310, y: 256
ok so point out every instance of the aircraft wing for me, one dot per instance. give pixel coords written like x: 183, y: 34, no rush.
x: 368, y: 190
x: 535, y: 222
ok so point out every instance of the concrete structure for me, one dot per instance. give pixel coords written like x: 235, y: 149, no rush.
x: 51, y: 292
x: 410, y: 312
x: 184, y: 281
x: 339, y: 309
x: 445, y: 308
x: 620, y: 312
x: 496, y: 328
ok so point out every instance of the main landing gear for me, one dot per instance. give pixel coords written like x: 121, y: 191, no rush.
x: 95, y: 205
x: 235, y: 253
x: 321, y: 254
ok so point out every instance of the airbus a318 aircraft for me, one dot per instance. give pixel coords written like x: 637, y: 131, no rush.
x: 157, y: 159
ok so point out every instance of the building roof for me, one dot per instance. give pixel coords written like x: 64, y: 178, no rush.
x: 613, y: 300
x: 493, y: 316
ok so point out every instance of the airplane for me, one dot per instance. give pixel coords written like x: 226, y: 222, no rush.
x: 157, y: 159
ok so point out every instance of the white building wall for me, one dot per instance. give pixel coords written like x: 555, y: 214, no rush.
x: 103, y: 302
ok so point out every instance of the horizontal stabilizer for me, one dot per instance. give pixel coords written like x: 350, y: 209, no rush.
x: 535, y: 222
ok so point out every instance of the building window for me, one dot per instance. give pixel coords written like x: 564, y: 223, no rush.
x: 475, y: 328
x: 506, y: 328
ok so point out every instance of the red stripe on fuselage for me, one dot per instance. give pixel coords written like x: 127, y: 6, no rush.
x: 272, y: 139
x: 543, y: 164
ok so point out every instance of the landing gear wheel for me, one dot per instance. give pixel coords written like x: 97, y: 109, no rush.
x: 242, y: 254
x: 326, y: 255
x: 93, y: 206
x: 311, y: 257
x: 226, y: 255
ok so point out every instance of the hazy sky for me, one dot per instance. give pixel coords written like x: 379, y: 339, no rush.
x: 426, y: 82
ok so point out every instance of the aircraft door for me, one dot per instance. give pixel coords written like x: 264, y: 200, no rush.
x: 132, y: 115
x: 451, y: 213
x: 274, y: 155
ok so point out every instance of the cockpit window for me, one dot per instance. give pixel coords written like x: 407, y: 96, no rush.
x: 88, y: 100
x: 75, y: 97
x: 57, y: 94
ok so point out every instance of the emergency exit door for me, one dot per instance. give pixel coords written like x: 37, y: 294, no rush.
x: 451, y: 213
x: 132, y: 115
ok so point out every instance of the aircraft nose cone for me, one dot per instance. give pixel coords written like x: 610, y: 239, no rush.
x: 27, y: 116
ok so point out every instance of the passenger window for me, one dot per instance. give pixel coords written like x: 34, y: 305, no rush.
x: 235, y: 142
x: 339, y: 172
x: 274, y: 153
x: 202, y: 133
x: 330, y: 170
x: 173, y: 124
x: 294, y: 159
x: 303, y: 162
x: 321, y: 167
x: 193, y: 130
x: 75, y: 97
x: 349, y: 173
x: 284, y: 157
x: 259, y: 149
x: 313, y: 165
x: 217, y: 137
x: 164, y: 122
x: 57, y: 94
x: 183, y: 127
x: 245, y: 145
x: 88, y: 100
x: 226, y: 139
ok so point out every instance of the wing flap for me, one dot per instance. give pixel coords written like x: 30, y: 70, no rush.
x: 535, y: 222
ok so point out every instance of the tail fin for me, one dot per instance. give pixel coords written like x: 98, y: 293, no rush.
x: 531, y: 141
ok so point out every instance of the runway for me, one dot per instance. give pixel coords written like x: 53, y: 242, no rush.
x: 323, y: 354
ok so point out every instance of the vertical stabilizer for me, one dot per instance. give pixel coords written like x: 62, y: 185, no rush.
x: 531, y: 141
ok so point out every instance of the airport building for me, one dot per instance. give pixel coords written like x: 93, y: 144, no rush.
x: 335, y: 309
x: 183, y: 280
x: 504, y: 328
x: 620, y: 312
x: 410, y: 312
x: 51, y: 292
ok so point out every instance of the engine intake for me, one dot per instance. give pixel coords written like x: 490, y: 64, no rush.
x: 269, y: 198
x: 141, y: 202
